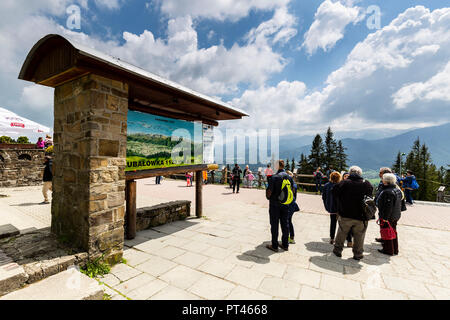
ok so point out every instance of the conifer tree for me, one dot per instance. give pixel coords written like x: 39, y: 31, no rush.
x: 316, y: 158
x: 303, y: 165
x: 341, y: 157
x: 426, y: 173
x: 293, y: 165
x: 330, y: 149
x: 399, y: 164
x: 286, y: 165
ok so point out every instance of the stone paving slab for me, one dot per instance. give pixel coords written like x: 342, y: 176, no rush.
x: 223, y: 255
x: 67, y: 285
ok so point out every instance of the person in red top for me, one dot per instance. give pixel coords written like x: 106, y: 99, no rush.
x: 268, y: 172
x: 40, y: 144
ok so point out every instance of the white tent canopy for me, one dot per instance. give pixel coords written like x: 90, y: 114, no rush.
x: 14, y: 126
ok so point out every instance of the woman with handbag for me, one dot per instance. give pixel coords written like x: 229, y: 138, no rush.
x: 389, y: 204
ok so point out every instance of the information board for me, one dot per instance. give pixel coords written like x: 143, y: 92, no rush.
x: 153, y: 140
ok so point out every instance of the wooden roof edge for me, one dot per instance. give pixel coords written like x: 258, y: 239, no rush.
x: 127, y: 67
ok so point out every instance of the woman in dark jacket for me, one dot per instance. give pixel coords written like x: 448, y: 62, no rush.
x: 330, y: 203
x: 389, y: 204
x: 292, y: 208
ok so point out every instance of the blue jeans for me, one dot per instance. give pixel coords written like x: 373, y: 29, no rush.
x: 319, y: 186
x: 408, y: 195
x: 291, y: 226
x: 279, y: 215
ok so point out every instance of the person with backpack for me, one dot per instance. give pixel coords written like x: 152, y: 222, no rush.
x: 350, y: 195
x: 236, y: 177
x: 318, y: 176
x: 410, y: 184
x: 293, y: 208
x: 280, y: 194
x: 389, y: 203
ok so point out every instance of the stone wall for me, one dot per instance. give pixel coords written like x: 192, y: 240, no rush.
x: 20, y: 167
x: 90, y: 135
x: 161, y: 214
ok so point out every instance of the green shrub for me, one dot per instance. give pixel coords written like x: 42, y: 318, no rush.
x: 23, y: 140
x: 6, y: 139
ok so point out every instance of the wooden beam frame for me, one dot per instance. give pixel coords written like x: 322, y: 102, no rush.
x: 174, y: 115
x: 142, y: 174
x: 131, y: 191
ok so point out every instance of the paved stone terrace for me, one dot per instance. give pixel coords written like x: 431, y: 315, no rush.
x: 223, y: 255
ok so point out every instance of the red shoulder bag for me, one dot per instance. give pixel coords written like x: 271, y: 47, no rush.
x: 386, y: 230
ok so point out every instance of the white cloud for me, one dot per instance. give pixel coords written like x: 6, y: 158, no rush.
x: 218, y: 9
x: 279, y: 29
x: 436, y: 88
x: 213, y: 70
x: 405, y: 64
x: 329, y: 24
x: 386, y: 61
x: 37, y: 97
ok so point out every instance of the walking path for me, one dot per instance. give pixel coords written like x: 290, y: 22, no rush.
x: 223, y: 255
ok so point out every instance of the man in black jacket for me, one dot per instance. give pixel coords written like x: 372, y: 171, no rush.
x: 236, y: 177
x: 350, y: 196
x: 47, y: 178
x: 279, y: 213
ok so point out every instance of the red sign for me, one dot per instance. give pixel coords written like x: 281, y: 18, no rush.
x: 15, y: 124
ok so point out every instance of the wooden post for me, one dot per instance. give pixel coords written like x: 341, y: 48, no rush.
x: 131, y: 209
x: 198, y: 194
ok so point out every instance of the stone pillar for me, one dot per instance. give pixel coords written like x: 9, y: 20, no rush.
x: 90, y: 135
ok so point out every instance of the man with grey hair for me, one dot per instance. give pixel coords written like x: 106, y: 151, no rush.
x: 350, y: 194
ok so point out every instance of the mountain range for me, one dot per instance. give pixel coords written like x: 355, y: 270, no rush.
x: 376, y: 153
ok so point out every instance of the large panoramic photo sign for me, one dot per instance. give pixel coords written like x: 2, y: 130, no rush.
x: 155, y: 142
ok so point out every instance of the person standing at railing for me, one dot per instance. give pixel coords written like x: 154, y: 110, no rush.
x: 236, y: 177
x: 410, y: 184
x: 268, y: 172
x: 40, y: 144
x: 318, y: 176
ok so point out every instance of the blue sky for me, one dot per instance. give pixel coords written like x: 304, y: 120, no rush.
x: 139, y: 122
x: 298, y: 65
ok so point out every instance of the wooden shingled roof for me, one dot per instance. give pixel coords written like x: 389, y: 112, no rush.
x: 55, y: 60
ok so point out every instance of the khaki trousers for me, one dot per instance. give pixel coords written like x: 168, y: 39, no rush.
x: 45, y: 188
x: 359, y: 232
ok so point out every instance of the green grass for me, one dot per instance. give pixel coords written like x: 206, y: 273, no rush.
x: 96, y: 268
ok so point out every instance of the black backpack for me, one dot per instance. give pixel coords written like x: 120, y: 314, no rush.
x: 369, y: 207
